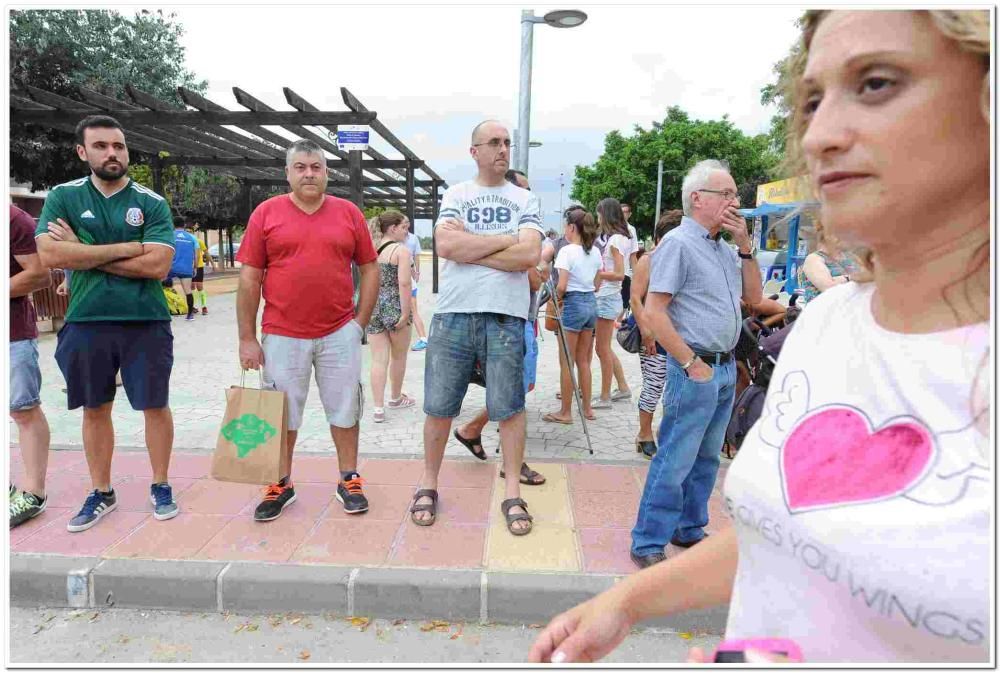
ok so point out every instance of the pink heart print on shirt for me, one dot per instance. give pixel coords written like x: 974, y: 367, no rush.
x: 832, y: 458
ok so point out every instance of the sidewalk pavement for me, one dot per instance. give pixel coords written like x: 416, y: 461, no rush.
x: 205, y: 363
x: 316, y: 558
x: 214, y: 556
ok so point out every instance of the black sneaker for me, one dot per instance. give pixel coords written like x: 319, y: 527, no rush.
x: 276, y: 498
x: 349, y: 493
x: 94, y: 508
x: 24, y: 506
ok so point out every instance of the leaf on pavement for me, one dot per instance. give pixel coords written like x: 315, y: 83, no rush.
x: 397, y: 622
x: 534, y: 626
x: 360, y: 622
x: 94, y: 617
x: 252, y: 627
x: 239, y: 628
x: 304, y: 655
x: 685, y: 636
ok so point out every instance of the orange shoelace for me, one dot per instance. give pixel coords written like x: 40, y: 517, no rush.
x: 353, y: 486
x: 274, y: 491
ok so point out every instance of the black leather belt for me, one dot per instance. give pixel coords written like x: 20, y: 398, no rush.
x: 710, y: 358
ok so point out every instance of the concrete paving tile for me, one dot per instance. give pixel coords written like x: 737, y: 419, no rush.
x: 50, y: 516
x: 189, y: 466
x: 606, y: 550
x: 208, y: 496
x: 600, y: 478
x: 311, y: 502
x: 357, y: 540
x: 547, y: 503
x: 548, y: 546
x: 467, y: 474
x: 311, y: 469
x: 593, y: 509
x: 443, y: 545
x: 396, y: 472
x: 133, y: 493
x: 385, y: 503
x: 177, y: 538
x: 244, y: 539
x: 55, y: 539
x: 463, y: 505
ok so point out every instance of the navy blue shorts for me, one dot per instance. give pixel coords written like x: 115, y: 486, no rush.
x: 90, y: 354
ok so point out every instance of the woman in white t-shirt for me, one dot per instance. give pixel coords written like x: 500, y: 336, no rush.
x: 579, y: 264
x: 861, y: 500
x: 615, y: 246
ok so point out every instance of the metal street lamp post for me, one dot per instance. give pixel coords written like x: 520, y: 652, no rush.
x: 560, y: 18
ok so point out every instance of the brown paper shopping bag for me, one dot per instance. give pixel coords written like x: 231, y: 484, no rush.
x: 252, y: 444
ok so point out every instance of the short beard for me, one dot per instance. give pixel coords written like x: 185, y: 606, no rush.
x: 104, y: 174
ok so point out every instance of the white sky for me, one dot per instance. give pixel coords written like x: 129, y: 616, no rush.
x: 433, y: 72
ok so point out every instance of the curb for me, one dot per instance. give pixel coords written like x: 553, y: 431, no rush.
x: 51, y: 580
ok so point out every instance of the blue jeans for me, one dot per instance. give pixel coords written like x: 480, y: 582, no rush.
x: 455, y: 342
x: 25, y: 375
x: 579, y: 311
x: 682, y: 474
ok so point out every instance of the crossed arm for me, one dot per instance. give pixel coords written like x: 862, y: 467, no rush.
x: 504, y: 252
x: 60, y: 248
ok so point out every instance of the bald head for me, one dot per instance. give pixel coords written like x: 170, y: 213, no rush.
x: 486, y: 130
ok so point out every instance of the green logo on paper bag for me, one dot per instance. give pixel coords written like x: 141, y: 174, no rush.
x: 248, y: 432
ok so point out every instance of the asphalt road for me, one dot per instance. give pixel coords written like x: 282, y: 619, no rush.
x: 121, y: 636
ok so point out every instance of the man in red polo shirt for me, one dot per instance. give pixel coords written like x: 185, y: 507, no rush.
x: 306, y: 241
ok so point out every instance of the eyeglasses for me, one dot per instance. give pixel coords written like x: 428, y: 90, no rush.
x: 725, y: 193
x: 495, y: 143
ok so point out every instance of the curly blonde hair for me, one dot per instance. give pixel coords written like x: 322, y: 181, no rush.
x: 970, y: 28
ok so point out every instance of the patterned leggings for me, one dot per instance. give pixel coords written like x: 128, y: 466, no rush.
x: 654, y: 378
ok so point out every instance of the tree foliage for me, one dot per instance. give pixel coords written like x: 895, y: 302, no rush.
x: 627, y: 169
x: 59, y: 50
x: 775, y: 94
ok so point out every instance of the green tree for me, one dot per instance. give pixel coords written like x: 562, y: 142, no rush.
x: 627, y: 168
x: 59, y: 50
x: 774, y: 94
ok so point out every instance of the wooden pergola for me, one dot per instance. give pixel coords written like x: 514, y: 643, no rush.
x: 236, y: 143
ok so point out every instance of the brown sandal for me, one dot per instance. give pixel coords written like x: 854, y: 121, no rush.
x: 506, y: 506
x: 528, y: 476
x: 432, y: 507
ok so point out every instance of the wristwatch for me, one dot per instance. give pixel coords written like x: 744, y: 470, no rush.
x: 749, y: 255
x: 687, y: 365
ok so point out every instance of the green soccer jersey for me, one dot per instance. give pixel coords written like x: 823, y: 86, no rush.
x: 133, y: 213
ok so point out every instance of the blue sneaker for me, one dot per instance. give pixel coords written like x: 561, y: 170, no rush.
x: 420, y: 345
x: 94, y: 508
x: 162, y: 497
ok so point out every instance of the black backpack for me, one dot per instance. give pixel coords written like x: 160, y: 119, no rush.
x: 746, y: 411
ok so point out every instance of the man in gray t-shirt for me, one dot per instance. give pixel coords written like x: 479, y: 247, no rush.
x: 693, y: 307
x: 489, y: 234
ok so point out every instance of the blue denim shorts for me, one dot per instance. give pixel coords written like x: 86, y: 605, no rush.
x: 25, y: 375
x: 609, y: 306
x: 579, y: 311
x: 455, y: 342
x: 90, y: 354
x: 530, y: 356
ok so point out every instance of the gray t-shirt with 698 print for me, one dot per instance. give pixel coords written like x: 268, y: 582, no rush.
x: 487, y: 211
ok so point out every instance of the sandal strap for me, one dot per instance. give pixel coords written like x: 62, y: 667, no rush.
x: 512, y: 518
x: 426, y: 493
x: 527, y: 472
x: 506, y: 505
x: 424, y: 508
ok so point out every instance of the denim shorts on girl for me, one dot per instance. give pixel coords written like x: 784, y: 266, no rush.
x: 579, y: 311
x: 609, y: 306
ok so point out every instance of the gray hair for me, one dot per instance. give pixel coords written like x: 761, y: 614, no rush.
x: 697, y: 178
x: 303, y: 147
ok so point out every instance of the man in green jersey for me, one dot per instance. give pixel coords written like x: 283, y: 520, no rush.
x: 117, y: 237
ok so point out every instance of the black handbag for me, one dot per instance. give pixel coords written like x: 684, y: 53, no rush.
x: 628, y: 335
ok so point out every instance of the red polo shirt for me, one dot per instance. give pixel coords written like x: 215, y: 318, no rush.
x: 308, y: 289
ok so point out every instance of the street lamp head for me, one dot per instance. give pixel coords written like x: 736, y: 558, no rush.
x: 565, y: 18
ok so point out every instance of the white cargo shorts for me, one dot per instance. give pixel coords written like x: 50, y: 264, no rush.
x: 336, y: 358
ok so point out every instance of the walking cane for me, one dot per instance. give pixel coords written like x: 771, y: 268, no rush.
x: 550, y: 289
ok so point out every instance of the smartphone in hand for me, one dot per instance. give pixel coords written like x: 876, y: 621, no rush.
x: 732, y: 651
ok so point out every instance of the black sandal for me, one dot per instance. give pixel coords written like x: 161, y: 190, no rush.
x: 646, y: 447
x: 432, y: 507
x: 506, y: 506
x: 528, y: 477
x: 472, y: 444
